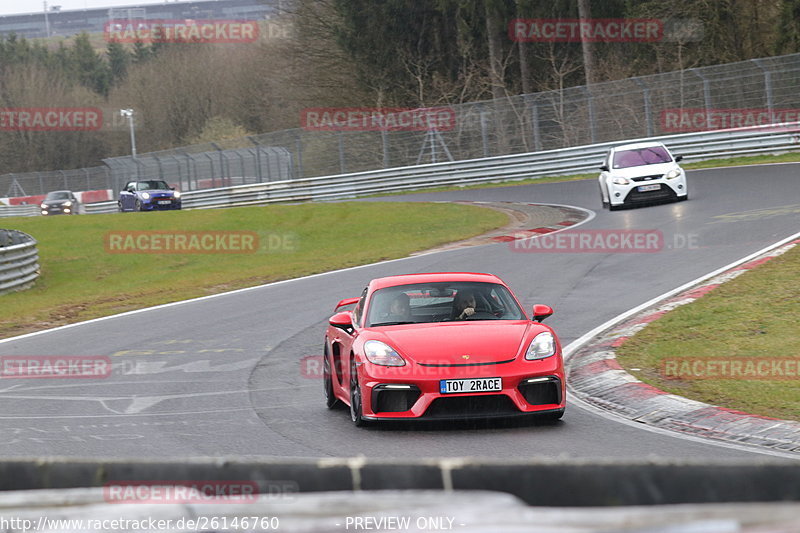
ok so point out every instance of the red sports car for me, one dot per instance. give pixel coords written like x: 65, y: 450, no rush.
x: 442, y: 346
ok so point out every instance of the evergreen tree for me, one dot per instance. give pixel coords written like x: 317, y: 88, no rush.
x: 118, y: 61
x: 90, y: 69
x: 141, y: 52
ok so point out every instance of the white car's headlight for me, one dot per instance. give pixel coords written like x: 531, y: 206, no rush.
x: 620, y: 181
x: 146, y: 195
x: 380, y: 353
x: 541, y: 347
x: 672, y: 174
x: 177, y: 194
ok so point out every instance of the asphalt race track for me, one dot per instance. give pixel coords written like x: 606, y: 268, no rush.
x: 222, y: 376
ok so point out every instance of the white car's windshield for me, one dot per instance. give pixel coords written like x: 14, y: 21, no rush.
x: 652, y: 155
x: 439, y: 302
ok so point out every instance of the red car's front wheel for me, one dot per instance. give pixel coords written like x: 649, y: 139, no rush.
x: 356, y: 410
x: 330, y: 397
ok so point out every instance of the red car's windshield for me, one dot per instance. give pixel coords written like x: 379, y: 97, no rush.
x: 440, y: 302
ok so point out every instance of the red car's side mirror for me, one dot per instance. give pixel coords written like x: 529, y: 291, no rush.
x: 342, y: 321
x: 540, y: 312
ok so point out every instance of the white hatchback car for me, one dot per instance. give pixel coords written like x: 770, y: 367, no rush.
x: 641, y: 173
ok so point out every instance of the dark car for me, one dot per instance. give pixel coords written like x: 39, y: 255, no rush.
x: 148, y: 195
x: 61, y: 203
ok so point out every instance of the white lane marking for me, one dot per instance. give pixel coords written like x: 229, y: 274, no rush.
x: 590, y: 213
x: 572, y: 347
x: 148, y: 415
x: 138, y: 402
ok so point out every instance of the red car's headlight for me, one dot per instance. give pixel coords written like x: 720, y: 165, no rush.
x: 380, y: 353
x: 541, y: 347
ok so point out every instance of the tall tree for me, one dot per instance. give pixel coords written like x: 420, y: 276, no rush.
x: 587, y: 47
x: 494, y: 39
x: 91, y: 70
x: 118, y: 60
x: 141, y: 52
x: 788, y: 41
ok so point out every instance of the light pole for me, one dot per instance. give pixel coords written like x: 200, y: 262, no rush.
x: 128, y: 113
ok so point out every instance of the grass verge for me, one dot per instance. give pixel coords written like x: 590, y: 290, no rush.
x: 753, y: 316
x: 81, y: 279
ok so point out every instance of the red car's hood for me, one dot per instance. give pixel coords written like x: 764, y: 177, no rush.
x: 447, y: 343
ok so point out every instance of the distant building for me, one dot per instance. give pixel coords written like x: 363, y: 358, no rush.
x: 72, y: 22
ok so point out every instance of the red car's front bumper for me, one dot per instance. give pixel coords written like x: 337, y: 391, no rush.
x: 413, y: 391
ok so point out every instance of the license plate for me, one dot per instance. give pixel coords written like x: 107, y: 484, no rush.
x: 452, y: 386
x: 645, y: 188
x: 164, y: 202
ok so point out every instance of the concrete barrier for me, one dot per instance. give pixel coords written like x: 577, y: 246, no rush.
x: 88, y: 197
x: 26, y: 200
x: 541, y: 482
x: 408, y: 511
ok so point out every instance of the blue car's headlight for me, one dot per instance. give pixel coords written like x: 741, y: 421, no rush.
x: 177, y: 194
x: 145, y: 196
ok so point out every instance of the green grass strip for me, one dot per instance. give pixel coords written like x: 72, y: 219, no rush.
x: 82, y: 279
x: 755, y: 315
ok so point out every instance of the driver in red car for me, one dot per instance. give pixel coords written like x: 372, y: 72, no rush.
x: 463, y: 305
x: 400, y: 308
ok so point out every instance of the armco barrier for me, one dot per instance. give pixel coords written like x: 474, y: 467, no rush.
x: 542, y: 482
x: 19, y: 211
x: 693, y: 146
x: 19, y: 260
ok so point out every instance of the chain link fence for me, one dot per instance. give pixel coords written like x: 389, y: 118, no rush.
x: 644, y: 106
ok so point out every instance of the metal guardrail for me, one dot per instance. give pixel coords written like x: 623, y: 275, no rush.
x: 19, y: 211
x: 743, y: 93
x: 19, y: 260
x: 575, y: 160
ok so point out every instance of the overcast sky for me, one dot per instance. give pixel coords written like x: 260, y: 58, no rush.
x: 13, y: 7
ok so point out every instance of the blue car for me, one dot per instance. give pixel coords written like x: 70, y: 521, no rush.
x: 148, y: 195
